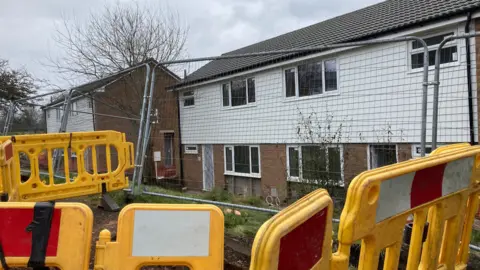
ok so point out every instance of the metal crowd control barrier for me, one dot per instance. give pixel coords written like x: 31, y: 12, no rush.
x: 299, y: 237
x: 442, y: 190
x: 43, y: 234
x: 164, y: 235
x: 85, y: 181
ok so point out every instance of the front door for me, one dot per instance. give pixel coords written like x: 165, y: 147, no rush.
x: 207, y: 157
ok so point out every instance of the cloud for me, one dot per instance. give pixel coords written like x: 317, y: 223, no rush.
x: 216, y: 26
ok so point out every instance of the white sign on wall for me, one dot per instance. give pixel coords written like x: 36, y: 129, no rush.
x: 157, y: 156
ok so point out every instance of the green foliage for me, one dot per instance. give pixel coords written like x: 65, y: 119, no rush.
x: 219, y: 195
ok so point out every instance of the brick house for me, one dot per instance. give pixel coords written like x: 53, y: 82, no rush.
x: 114, y: 103
x: 239, y: 118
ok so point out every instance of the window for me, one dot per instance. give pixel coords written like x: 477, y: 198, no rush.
x: 238, y: 92
x: 448, y: 54
x: 48, y: 113
x: 191, y: 149
x: 311, y: 79
x: 73, y: 109
x: 315, y: 163
x: 188, y: 98
x: 58, y: 114
x: 242, y: 160
x: 382, y: 155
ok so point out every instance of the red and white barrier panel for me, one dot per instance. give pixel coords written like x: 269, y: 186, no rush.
x: 410, y: 190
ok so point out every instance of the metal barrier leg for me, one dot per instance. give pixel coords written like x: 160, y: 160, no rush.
x: 107, y: 203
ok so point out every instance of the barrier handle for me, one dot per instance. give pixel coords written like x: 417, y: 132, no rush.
x: 40, y: 229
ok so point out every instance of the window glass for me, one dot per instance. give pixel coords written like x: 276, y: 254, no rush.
x: 293, y: 161
x: 251, y: 90
x: 225, y: 93
x: 228, y: 158
x: 330, y: 75
x: 310, y: 79
x: 242, y: 159
x: 290, y: 82
x: 314, y: 164
x: 255, y: 161
x: 382, y: 155
x: 239, y: 92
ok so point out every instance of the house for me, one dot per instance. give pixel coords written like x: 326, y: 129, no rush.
x: 114, y: 103
x: 244, y: 121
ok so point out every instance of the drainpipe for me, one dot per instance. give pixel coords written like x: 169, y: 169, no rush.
x: 469, y: 80
x: 179, y: 138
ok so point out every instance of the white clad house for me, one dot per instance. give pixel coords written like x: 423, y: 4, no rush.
x: 258, y: 124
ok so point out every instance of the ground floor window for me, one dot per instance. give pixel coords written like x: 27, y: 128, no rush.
x: 382, y: 155
x: 315, y: 163
x: 242, y: 160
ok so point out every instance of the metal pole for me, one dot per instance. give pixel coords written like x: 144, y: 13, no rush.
x: 436, y: 84
x: 63, y: 128
x: 8, y: 119
x: 146, y: 138
x: 141, y: 128
x: 38, y: 96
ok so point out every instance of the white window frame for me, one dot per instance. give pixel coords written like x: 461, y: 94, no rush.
x: 192, y: 96
x: 232, y: 172
x: 187, y: 151
x: 415, y: 154
x: 297, y: 87
x: 368, y: 153
x: 452, y: 43
x: 229, y: 83
x: 300, y: 169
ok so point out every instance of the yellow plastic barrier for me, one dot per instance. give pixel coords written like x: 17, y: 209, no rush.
x: 164, y: 234
x: 442, y: 189
x: 6, y: 158
x: 29, y: 236
x: 299, y: 237
x: 80, y: 148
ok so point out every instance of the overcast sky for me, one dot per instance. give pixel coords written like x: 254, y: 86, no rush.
x: 216, y: 26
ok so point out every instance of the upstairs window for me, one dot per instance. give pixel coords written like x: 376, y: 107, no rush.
x: 188, y: 98
x: 73, y: 109
x: 308, y: 79
x: 238, y: 92
x: 448, y: 54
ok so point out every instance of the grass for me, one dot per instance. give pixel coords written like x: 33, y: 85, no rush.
x: 244, y: 225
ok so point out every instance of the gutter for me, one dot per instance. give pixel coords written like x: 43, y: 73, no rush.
x: 469, y: 81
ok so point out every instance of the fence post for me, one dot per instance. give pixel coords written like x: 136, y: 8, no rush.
x: 436, y: 83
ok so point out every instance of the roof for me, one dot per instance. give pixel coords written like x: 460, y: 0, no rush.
x: 96, y: 84
x: 369, y: 22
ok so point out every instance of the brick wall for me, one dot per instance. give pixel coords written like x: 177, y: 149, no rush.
x: 124, y: 98
x: 192, y: 170
x: 274, y: 169
x: 404, y: 152
x: 355, y: 161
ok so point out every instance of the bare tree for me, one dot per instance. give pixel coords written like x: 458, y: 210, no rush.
x: 116, y: 38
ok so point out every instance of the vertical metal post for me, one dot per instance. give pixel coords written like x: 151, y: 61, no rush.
x: 146, y: 138
x: 423, y: 136
x: 436, y: 84
x: 62, y: 129
x: 9, y: 118
x: 138, y: 151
